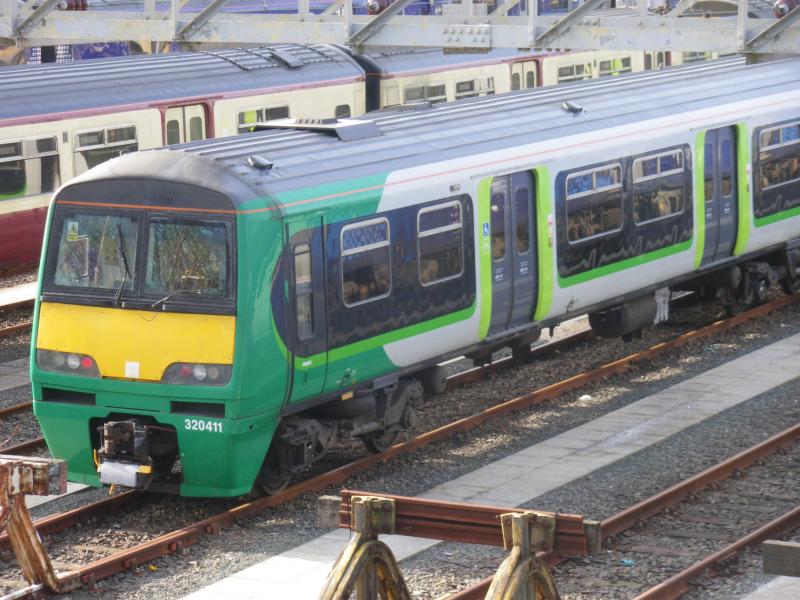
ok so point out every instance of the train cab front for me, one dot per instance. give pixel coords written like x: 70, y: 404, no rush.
x: 134, y: 341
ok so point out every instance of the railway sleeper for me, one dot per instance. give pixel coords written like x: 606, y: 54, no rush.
x: 377, y: 417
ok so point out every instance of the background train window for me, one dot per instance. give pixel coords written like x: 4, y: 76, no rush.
x: 530, y: 80
x: 440, y: 243
x: 173, y: 132
x: 523, y: 218
x: 431, y: 93
x: 614, y: 66
x: 466, y: 89
x: 95, y: 147
x: 498, y: 223
x: 658, y: 189
x: 574, y: 73
x: 304, y: 292
x: 195, y: 129
x: 342, y: 111
x: 515, y: 82
x: 366, y: 268
x: 594, y: 203
x: 29, y: 168
x: 250, y: 117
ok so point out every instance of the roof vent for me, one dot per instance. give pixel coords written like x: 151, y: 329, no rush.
x: 571, y: 107
x: 259, y: 162
x: 347, y: 130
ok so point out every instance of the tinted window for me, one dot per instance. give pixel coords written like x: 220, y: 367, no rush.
x: 523, y: 218
x: 709, y: 171
x: 726, y: 167
x: 439, y: 231
x: 594, y: 203
x: 658, y: 187
x: 498, y: 223
x: 304, y: 291
x: 366, y: 270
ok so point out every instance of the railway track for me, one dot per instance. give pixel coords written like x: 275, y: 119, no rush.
x: 121, y: 559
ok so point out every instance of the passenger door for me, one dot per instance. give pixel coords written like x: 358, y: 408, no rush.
x: 306, y: 313
x: 185, y: 124
x: 523, y: 75
x: 513, y: 251
x: 720, y: 187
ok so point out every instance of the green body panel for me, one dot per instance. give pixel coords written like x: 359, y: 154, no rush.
x: 545, y: 236
x: 744, y: 200
x: 341, y: 200
x: 700, y: 197
x: 484, y: 250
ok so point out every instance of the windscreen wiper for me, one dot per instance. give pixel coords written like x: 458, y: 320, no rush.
x: 127, y: 274
x: 173, y: 293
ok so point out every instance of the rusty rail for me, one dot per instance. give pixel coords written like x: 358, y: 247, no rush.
x: 472, y: 523
x: 12, y: 329
x: 173, y: 542
x: 678, y: 584
x: 23, y: 446
x: 10, y: 410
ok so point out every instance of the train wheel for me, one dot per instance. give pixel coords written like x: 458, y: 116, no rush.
x: 271, y: 479
x: 791, y: 285
x: 381, y: 442
x: 739, y: 299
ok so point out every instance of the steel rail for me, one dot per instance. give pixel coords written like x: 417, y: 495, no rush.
x: 22, y: 446
x: 462, y: 522
x: 12, y: 329
x: 186, y: 536
x: 10, y: 410
x: 673, y: 495
x: 678, y: 584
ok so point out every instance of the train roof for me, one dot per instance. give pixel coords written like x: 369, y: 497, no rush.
x: 307, y: 159
x: 431, y: 59
x: 30, y: 90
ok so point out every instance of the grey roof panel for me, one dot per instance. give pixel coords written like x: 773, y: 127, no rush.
x: 303, y: 158
x: 31, y: 90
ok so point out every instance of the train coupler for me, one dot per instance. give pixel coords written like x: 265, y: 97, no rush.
x: 124, y: 454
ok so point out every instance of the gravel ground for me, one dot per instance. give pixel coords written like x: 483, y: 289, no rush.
x: 287, y: 526
x: 17, y: 278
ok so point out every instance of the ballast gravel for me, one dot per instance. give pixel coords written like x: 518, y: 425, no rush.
x: 436, y: 572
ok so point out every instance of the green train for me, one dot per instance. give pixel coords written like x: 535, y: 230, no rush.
x: 216, y: 315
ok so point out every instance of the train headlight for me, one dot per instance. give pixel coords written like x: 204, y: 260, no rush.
x: 197, y: 374
x: 63, y: 362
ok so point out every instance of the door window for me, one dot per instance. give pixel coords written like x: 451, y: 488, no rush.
x: 726, y: 167
x: 523, y: 218
x: 498, y: 224
x: 709, y: 171
x: 304, y: 292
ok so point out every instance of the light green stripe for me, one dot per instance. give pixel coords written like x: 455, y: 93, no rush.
x: 624, y: 264
x: 779, y: 216
x: 745, y: 201
x: 545, y: 237
x: 485, y: 254
x: 400, y: 334
x: 700, y: 197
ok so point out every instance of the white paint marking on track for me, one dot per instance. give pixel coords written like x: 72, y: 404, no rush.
x: 517, y: 479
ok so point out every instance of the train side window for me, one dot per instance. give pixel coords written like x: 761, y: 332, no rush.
x: 173, y: 132
x: 594, y: 203
x: 304, y: 292
x: 440, y: 243
x: 342, y: 111
x: 466, y: 89
x: 516, y: 82
x: 497, y: 219
x: 98, y: 146
x: 648, y: 61
x: 523, y: 218
x: 28, y: 168
x: 574, y: 73
x: 658, y: 186
x: 530, y: 79
x: 436, y: 93
x: 779, y: 156
x: 726, y: 167
x: 414, y: 94
x: 709, y: 172
x: 195, y: 129
x: 248, y: 118
x: 366, y: 262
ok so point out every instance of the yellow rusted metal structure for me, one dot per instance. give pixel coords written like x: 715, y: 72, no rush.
x: 19, y: 476
x: 523, y: 576
x: 367, y: 565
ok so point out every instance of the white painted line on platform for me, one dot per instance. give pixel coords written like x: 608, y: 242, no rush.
x: 517, y: 479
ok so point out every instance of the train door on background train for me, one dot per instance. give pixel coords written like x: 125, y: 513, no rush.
x: 185, y: 124
x: 513, y: 249
x: 721, y: 204
x: 306, y: 316
x: 523, y: 75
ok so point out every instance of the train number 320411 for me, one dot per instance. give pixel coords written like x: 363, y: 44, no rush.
x: 201, y: 425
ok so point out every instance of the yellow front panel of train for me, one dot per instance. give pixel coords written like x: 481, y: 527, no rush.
x: 151, y: 341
